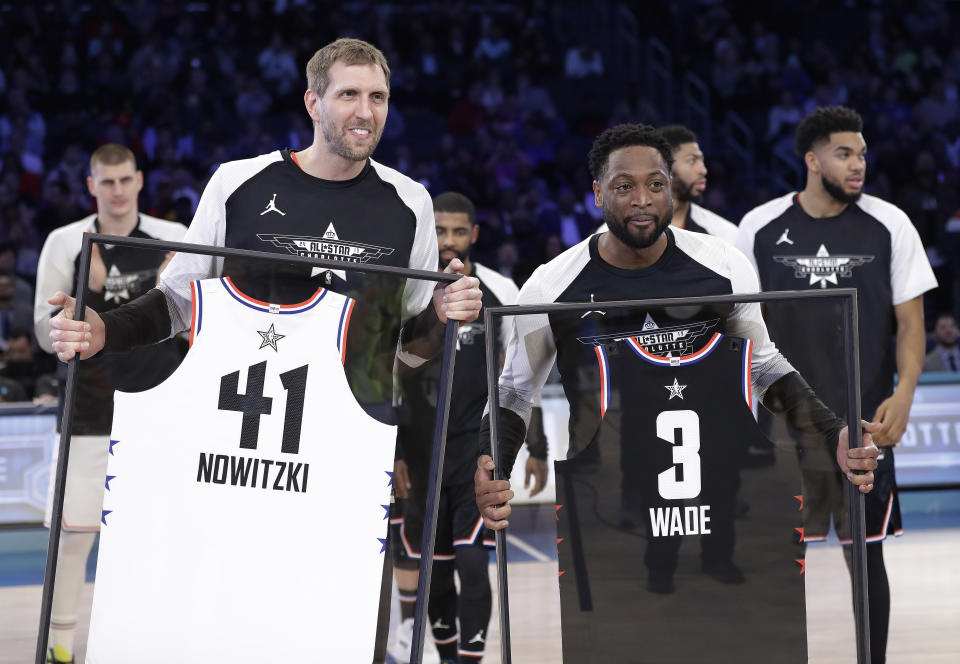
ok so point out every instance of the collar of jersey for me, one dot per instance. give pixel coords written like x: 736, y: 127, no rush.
x: 248, y: 301
x: 638, y: 273
x: 693, y: 358
x: 331, y: 184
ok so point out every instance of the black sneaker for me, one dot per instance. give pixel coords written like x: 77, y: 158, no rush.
x: 724, y: 572
x: 660, y: 583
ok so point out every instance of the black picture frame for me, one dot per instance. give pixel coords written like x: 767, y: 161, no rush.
x: 845, y: 297
x: 440, y: 429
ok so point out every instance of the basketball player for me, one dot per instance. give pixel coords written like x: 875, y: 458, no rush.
x: 688, y: 181
x: 832, y: 234
x: 331, y: 196
x: 461, y: 541
x: 117, y: 275
x: 642, y: 256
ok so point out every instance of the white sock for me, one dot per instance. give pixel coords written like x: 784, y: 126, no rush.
x: 71, y: 573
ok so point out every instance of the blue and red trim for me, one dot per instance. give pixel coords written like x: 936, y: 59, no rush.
x: 266, y: 307
x: 196, y: 322
x: 604, y: 379
x: 693, y: 358
x: 746, y: 378
x: 344, y: 328
x: 470, y: 539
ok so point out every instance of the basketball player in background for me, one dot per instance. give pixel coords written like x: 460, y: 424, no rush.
x: 117, y: 275
x: 831, y: 234
x: 688, y: 181
x: 462, y: 542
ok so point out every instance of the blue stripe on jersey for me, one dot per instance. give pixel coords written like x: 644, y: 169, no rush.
x: 284, y: 308
x: 199, y: 306
x: 343, y: 313
x: 745, y: 377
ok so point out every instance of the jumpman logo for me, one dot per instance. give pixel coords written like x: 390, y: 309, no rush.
x: 272, y: 207
x: 784, y: 238
x: 439, y: 624
x: 602, y: 313
x: 478, y: 638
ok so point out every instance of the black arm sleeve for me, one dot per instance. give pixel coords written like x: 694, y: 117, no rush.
x: 139, y: 322
x: 792, y: 398
x: 536, y: 436
x: 512, y: 432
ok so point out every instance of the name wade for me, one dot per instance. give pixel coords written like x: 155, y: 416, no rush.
x: 254, y: 473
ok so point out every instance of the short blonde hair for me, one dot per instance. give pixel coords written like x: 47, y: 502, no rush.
x: 345, y: 50
x: 111, y: 154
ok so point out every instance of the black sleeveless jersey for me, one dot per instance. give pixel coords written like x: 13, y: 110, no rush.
x: 467, y: 399
x: 655, y: 491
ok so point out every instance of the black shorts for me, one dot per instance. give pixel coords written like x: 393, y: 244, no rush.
x: 825, y: 495
x: 458, y: 523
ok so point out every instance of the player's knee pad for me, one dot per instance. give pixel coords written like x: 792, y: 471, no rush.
x: 441, y: 582
x: 76, y: 545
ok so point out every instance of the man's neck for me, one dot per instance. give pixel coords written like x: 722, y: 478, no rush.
x: 681, y: 209
x: 320, y: 162
x: 110, y: 225
x: 619, y: 255
x: 817, y: 203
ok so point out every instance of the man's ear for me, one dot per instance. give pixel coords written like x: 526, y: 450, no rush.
x: 597, y: 194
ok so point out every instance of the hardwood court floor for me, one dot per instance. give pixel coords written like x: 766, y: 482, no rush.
x: 924, y: 579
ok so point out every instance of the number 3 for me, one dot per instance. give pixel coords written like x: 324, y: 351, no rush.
x: 686, y: 454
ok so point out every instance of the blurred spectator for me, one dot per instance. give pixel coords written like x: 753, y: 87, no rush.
x: 16, y: 311
x: 945, y: 355
x: 493, y: 45
x: 582, y: 61
x: 19, y: 364
x: 278, y: 66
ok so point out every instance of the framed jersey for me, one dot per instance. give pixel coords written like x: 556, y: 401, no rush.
x: 680, y: 519
x: 254, y: 480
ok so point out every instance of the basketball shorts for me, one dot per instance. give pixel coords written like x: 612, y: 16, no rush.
x: 86, y: 475
x: 458, y: 523
x: 825, y: 495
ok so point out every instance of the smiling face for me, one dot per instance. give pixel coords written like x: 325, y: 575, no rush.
x: 634, y: 193
x: 841, y: 164
x: 116, y: 187
x: 353, y: 110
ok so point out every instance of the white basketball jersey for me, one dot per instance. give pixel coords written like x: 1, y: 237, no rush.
x: 244, y: 516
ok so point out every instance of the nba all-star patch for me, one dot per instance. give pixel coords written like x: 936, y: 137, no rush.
x: 824, y: 268
x: 327, y: 247
x: 270, y: 338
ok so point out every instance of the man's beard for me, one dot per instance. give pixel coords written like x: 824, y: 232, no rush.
x: 685, y: 192
x: 462, y: 255
x: 619, y: 229
x: 337, y: 140
x: 836, y: 191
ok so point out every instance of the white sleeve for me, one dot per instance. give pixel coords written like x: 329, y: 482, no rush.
x: 529, y: 355
x: 910, y: 271
x: 745, y: 238
x: 208, y: 227
x: 768, y: 364
x: 54, y: 273
x: 424, y: 255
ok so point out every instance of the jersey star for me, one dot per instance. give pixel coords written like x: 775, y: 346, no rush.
x: 675, y: 390
x: 270, y: 338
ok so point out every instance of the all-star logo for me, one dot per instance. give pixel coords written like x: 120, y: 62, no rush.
x: 270, y: 338
x: 118, y: 287
x: 658, y: 340
x: 823, y: 268
x: 329, y: 246
x: 675, y: 390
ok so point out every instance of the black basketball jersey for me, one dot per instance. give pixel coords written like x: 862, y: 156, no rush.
x: 671, y: 450
x: 870, y: 246
x: 468, y: 396
x: 130, y: 273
